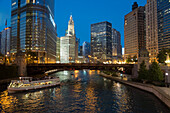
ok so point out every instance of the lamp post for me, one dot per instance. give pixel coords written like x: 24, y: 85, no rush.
x: 166, y: 78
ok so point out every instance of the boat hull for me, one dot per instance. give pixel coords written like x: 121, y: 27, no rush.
x: 15, y: 90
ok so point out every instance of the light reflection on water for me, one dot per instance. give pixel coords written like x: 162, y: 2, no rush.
x: 84, y: 91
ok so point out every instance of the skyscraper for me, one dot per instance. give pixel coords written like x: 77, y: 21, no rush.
x: 86, y: 49
x: 77, y: 47
x: 134, y: 31
x: 101, y: 37
x: 34, y: 29
x: 5, y: 41
x: 0, y: 42
x: 116, y: 44
x: 58, y: 50
x: 151, y: 29
x: 163, y: 9
x: 68, y: 43
x: 81, y: 51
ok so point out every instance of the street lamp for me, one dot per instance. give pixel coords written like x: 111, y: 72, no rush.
x: 166, y: 78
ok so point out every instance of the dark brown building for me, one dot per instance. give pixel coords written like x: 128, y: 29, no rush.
x: 134, y: 31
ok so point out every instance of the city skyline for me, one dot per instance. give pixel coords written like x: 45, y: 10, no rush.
x: 84, y: 17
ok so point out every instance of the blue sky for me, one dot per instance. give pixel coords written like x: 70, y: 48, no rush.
x: 85, y: 13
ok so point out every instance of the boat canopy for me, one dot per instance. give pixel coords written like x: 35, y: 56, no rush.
x: 25, y: 78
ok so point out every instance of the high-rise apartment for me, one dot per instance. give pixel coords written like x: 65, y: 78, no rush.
x: 34, y: 29
x: 163, y: 13
x: 134, y: 31
x: 101, y: 37
x: 5, y: 41
x: 151, y: 29
x: 116, y: 44
x: 68, y: 44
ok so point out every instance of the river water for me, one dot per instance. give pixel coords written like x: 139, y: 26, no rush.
x: 83, y: 91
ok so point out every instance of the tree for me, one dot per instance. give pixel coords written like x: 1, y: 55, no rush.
x: 143, y: 72
x: 162, y: 55
x: 31, y: 56
x: 135, y: 58
x: 1, y: 54
x: 129, y: 59
x: 155, y: 73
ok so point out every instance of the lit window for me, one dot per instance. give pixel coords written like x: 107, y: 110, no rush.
x: 28, y: 1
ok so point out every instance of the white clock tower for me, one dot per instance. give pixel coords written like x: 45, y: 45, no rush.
x: 71, y: 31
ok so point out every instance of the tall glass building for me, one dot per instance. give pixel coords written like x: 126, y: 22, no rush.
x: 5, y: 41
x: 163, y: 10
x: 86, y: 49
x: 101, y: 37
x: 116, y: 44
x: 34, y: 29
x: 0, y: 42
x: 58, y: 50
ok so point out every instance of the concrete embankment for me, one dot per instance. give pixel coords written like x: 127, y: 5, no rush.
x: 157, y: 91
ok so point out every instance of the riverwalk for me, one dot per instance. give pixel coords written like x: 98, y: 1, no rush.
x: 162, y: 93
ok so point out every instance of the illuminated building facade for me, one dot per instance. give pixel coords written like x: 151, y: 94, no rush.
x: 77, y: 48
x: 58, y: 50
x: 34, y: 29
x: 163, y: 10
x: 116, y: 44
x: 68, y: 44
x: 151, y: 29
x: 101, y: 37
x: 81, y: 51
x: 134, y: 31
x: 5, y: 41
x: 86, y: 49
x: 0, y: 42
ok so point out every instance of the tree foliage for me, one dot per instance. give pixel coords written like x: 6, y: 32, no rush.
x: 1, y: 54
x: 155, y: 73
x: 135, y: 58
x: 129, y: 59
x: 31, y: 56
x: 162, y: 55
x: 143, y: 72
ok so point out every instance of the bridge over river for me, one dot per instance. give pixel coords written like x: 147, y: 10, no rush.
x: 41, y: 68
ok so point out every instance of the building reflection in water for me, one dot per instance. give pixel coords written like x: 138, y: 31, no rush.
x: 122, y: 98
x: 92, y: 94
x: 76, y: 73
x: 7, y: 102
x: 90, y: 100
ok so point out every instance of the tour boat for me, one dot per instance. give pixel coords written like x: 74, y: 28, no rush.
x: 26, y: 83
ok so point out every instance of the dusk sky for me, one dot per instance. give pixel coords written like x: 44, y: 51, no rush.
x: 85, y: 13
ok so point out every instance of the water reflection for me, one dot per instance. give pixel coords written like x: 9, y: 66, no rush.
x: 83, y: 91
x: 7, y: 103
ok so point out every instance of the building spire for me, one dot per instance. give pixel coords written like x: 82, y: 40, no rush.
x: 71, y: 31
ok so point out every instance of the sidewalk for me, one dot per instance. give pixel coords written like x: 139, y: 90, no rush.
x: 165, y: 90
